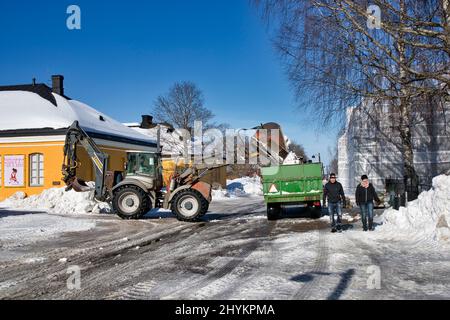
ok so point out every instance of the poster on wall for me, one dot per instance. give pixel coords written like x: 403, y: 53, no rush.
x: 14, y: 171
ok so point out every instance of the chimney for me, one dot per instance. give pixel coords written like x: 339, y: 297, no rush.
x: 58, y: 84
x: 147, y: 122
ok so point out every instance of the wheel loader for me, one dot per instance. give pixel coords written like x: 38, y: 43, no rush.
x: 142, y: 186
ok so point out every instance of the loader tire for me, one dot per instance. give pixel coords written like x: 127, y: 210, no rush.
x: 189, y: 205
x: 205, y: 210
x: 131, y: 202
x: 273, y: 212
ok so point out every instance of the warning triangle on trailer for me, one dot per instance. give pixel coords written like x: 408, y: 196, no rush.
x: 273, y: 189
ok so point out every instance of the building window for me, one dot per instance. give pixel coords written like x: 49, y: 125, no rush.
x: 36, y: 170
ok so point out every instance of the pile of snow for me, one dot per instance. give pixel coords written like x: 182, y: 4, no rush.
x: 291, y: 159
x: 241, y: 187
x: 427, y: 217
x: 57, y: 200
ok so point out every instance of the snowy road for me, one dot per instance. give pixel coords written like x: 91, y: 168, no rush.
x: 235, y: 253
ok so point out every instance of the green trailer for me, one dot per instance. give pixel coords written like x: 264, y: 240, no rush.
x: 297, y: 184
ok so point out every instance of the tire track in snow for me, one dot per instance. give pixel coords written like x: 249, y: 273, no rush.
x: 260, y: 276
x: 246, y: 250
x: 180, y: 246
x: 320, y: 266
x: 251, y: 275
x: 50, y: 278
x: 128, y: 267
x: 138, y: 291
x: 389, y: 283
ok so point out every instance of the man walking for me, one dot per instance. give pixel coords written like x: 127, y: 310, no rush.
x: 334, y: 193
x: 365, y: 194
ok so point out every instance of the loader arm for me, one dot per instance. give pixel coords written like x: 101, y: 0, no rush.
x: 77, y: 136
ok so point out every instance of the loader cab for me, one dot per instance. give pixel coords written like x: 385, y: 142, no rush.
x: 146, y: 165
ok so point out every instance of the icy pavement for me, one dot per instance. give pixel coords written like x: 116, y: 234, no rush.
x: 234, y: 253
x: 21, y: 228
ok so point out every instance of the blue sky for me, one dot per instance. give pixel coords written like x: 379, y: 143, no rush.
x: 129, y: 52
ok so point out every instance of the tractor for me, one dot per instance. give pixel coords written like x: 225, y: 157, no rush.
x: 141, y: 188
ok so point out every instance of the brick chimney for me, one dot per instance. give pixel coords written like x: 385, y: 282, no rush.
x: 147, y: 122
x: 58, y: 84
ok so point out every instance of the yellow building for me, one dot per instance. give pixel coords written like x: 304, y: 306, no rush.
x: 33, y: 122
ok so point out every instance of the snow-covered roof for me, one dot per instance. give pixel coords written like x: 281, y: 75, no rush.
x: 27, y: 110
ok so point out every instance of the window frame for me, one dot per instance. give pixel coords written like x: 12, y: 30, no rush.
x: 40, y: 179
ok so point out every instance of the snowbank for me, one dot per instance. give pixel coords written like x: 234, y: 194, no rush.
x: 241, y: 187
x: 427, y: 217
x: 57, y: 200
x: 291, y: 159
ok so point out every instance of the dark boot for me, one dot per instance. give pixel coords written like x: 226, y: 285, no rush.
x: 365, y: 225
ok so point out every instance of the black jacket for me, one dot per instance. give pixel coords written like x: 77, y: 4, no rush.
x: 334, y: 192
x: 364, y: 195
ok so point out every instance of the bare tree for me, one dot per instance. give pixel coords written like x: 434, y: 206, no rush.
x: 298, y: 149
x: 181, y: 106
x: 333, y: 155
x: 333, y: 55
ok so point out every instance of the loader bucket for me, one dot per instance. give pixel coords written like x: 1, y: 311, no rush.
x: 78, y: 185
x: 269, y: 142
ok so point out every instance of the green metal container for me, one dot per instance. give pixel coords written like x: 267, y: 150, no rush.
x: 288, y: 184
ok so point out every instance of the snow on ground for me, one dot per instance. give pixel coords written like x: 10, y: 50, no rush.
x: 241, y: 187
x: 26, y: 220
x: 233, y: 260
x: 428, y: 217
x: 57, y: 200
x: 20, y: 228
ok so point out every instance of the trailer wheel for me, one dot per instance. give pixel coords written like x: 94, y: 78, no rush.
x: 131, y: 202
x: 273, y: 212
x: 316, y: 212
x: 189, y: 205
